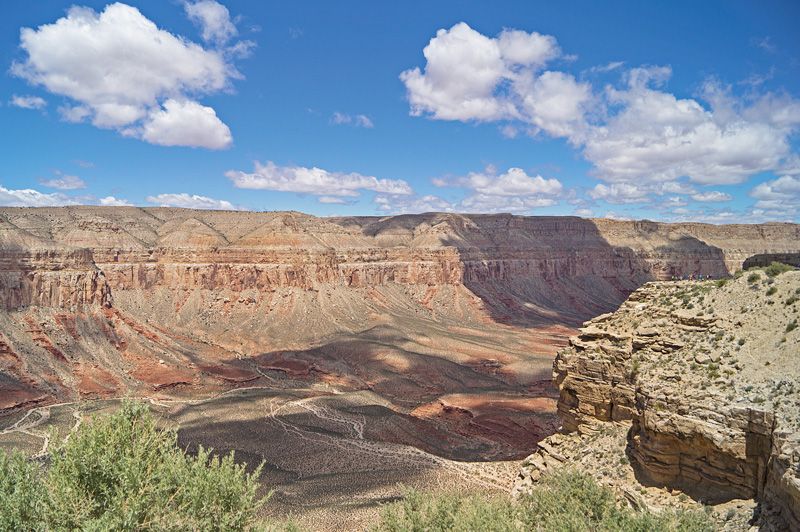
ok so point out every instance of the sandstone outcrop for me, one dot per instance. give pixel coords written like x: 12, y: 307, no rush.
x: 706, y: 376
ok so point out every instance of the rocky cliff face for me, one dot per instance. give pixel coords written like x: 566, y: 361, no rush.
x: 115, y: 289
x: 143, y: 249
x: 51, y: 278
x: 707, y: 377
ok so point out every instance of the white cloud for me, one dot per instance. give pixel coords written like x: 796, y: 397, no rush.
x: 554, y: 102
x: 514, y: 182
x: 64, y: 182
x: 111, y: 201
x: 394, y: 204
x: 314, y: 181
x: 191, y: 201
x: 335, y: 200
x: 469, y: 76
x: 614, y: 216
x: 28, y: 197
x: 673, y: 187
x: 638, y: 133
x: 28, y: 102
x: 766, y: 44
x: 509, y: 131
x: 74, y: 113
x: 186, y: 123
x: 213, y: 19
x: 511, y: 191
x: 461, y: 75
x: 781, y: 195
x: 118, y: 68
x: 672, y: 202
x: 527, y: 49
x: 486, y: 203
x: 657, y: 137
x: 619, y: 193
x: 583, y: 213
x: 608, y: 67
x: 356, y: 120
x: 712, y: 195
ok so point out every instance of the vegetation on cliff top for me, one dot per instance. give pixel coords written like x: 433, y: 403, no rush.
x: 562, y: 501
x: 122, y: 472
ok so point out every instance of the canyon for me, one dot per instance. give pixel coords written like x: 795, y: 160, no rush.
x: 350, y: 353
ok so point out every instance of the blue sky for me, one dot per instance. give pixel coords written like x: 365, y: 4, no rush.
x: 667, y: 111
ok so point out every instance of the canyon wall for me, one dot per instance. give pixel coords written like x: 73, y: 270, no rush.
x: 706, y: 376
x: 140, y: 249
x: 92, y: 296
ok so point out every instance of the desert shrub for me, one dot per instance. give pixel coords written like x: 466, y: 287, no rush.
x: 753, y: 277
x: 721, y: 282
x: 777, y: 268
x: 122, y: 472
x: 564, y: 501
x: 21, y: 493
x: 771, y: 290
x: 791, y: 326
x: 791, y: 300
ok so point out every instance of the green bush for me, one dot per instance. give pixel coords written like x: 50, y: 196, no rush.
x: 122, y: 472
x: 565, y: 501
x: 771, y: 290
x: 753, y: 277
x: 777, y: 268
x: 21, y: 493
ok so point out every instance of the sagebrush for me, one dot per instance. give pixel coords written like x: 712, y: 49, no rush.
x: 122, y: 472
x: 565, y: 501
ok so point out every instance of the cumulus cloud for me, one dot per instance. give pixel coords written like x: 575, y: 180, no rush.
x: 658, y: 137
x: 314, y: 181
x: 638, y: 135
x: 28, y: 197
x: 186, y: 123
x: 469, y: 76
x: 120, y: 71
x: 713, y: 195
x: 64, y: 182
x: 213, y: 19
x: 28, y: 102
x: 355, y: 120
x: 554, y: 102
x: 111, y: 201
x: 461, y: 76
x: 191, y: 201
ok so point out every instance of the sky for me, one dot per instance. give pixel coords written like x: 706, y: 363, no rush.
x: 670, y: 111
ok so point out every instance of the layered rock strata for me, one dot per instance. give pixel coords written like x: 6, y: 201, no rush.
x: 127, y: 295
x: 707, y: 377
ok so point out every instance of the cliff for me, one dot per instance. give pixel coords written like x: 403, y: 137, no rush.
x: 706, y: 377
x: 98, y: 300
